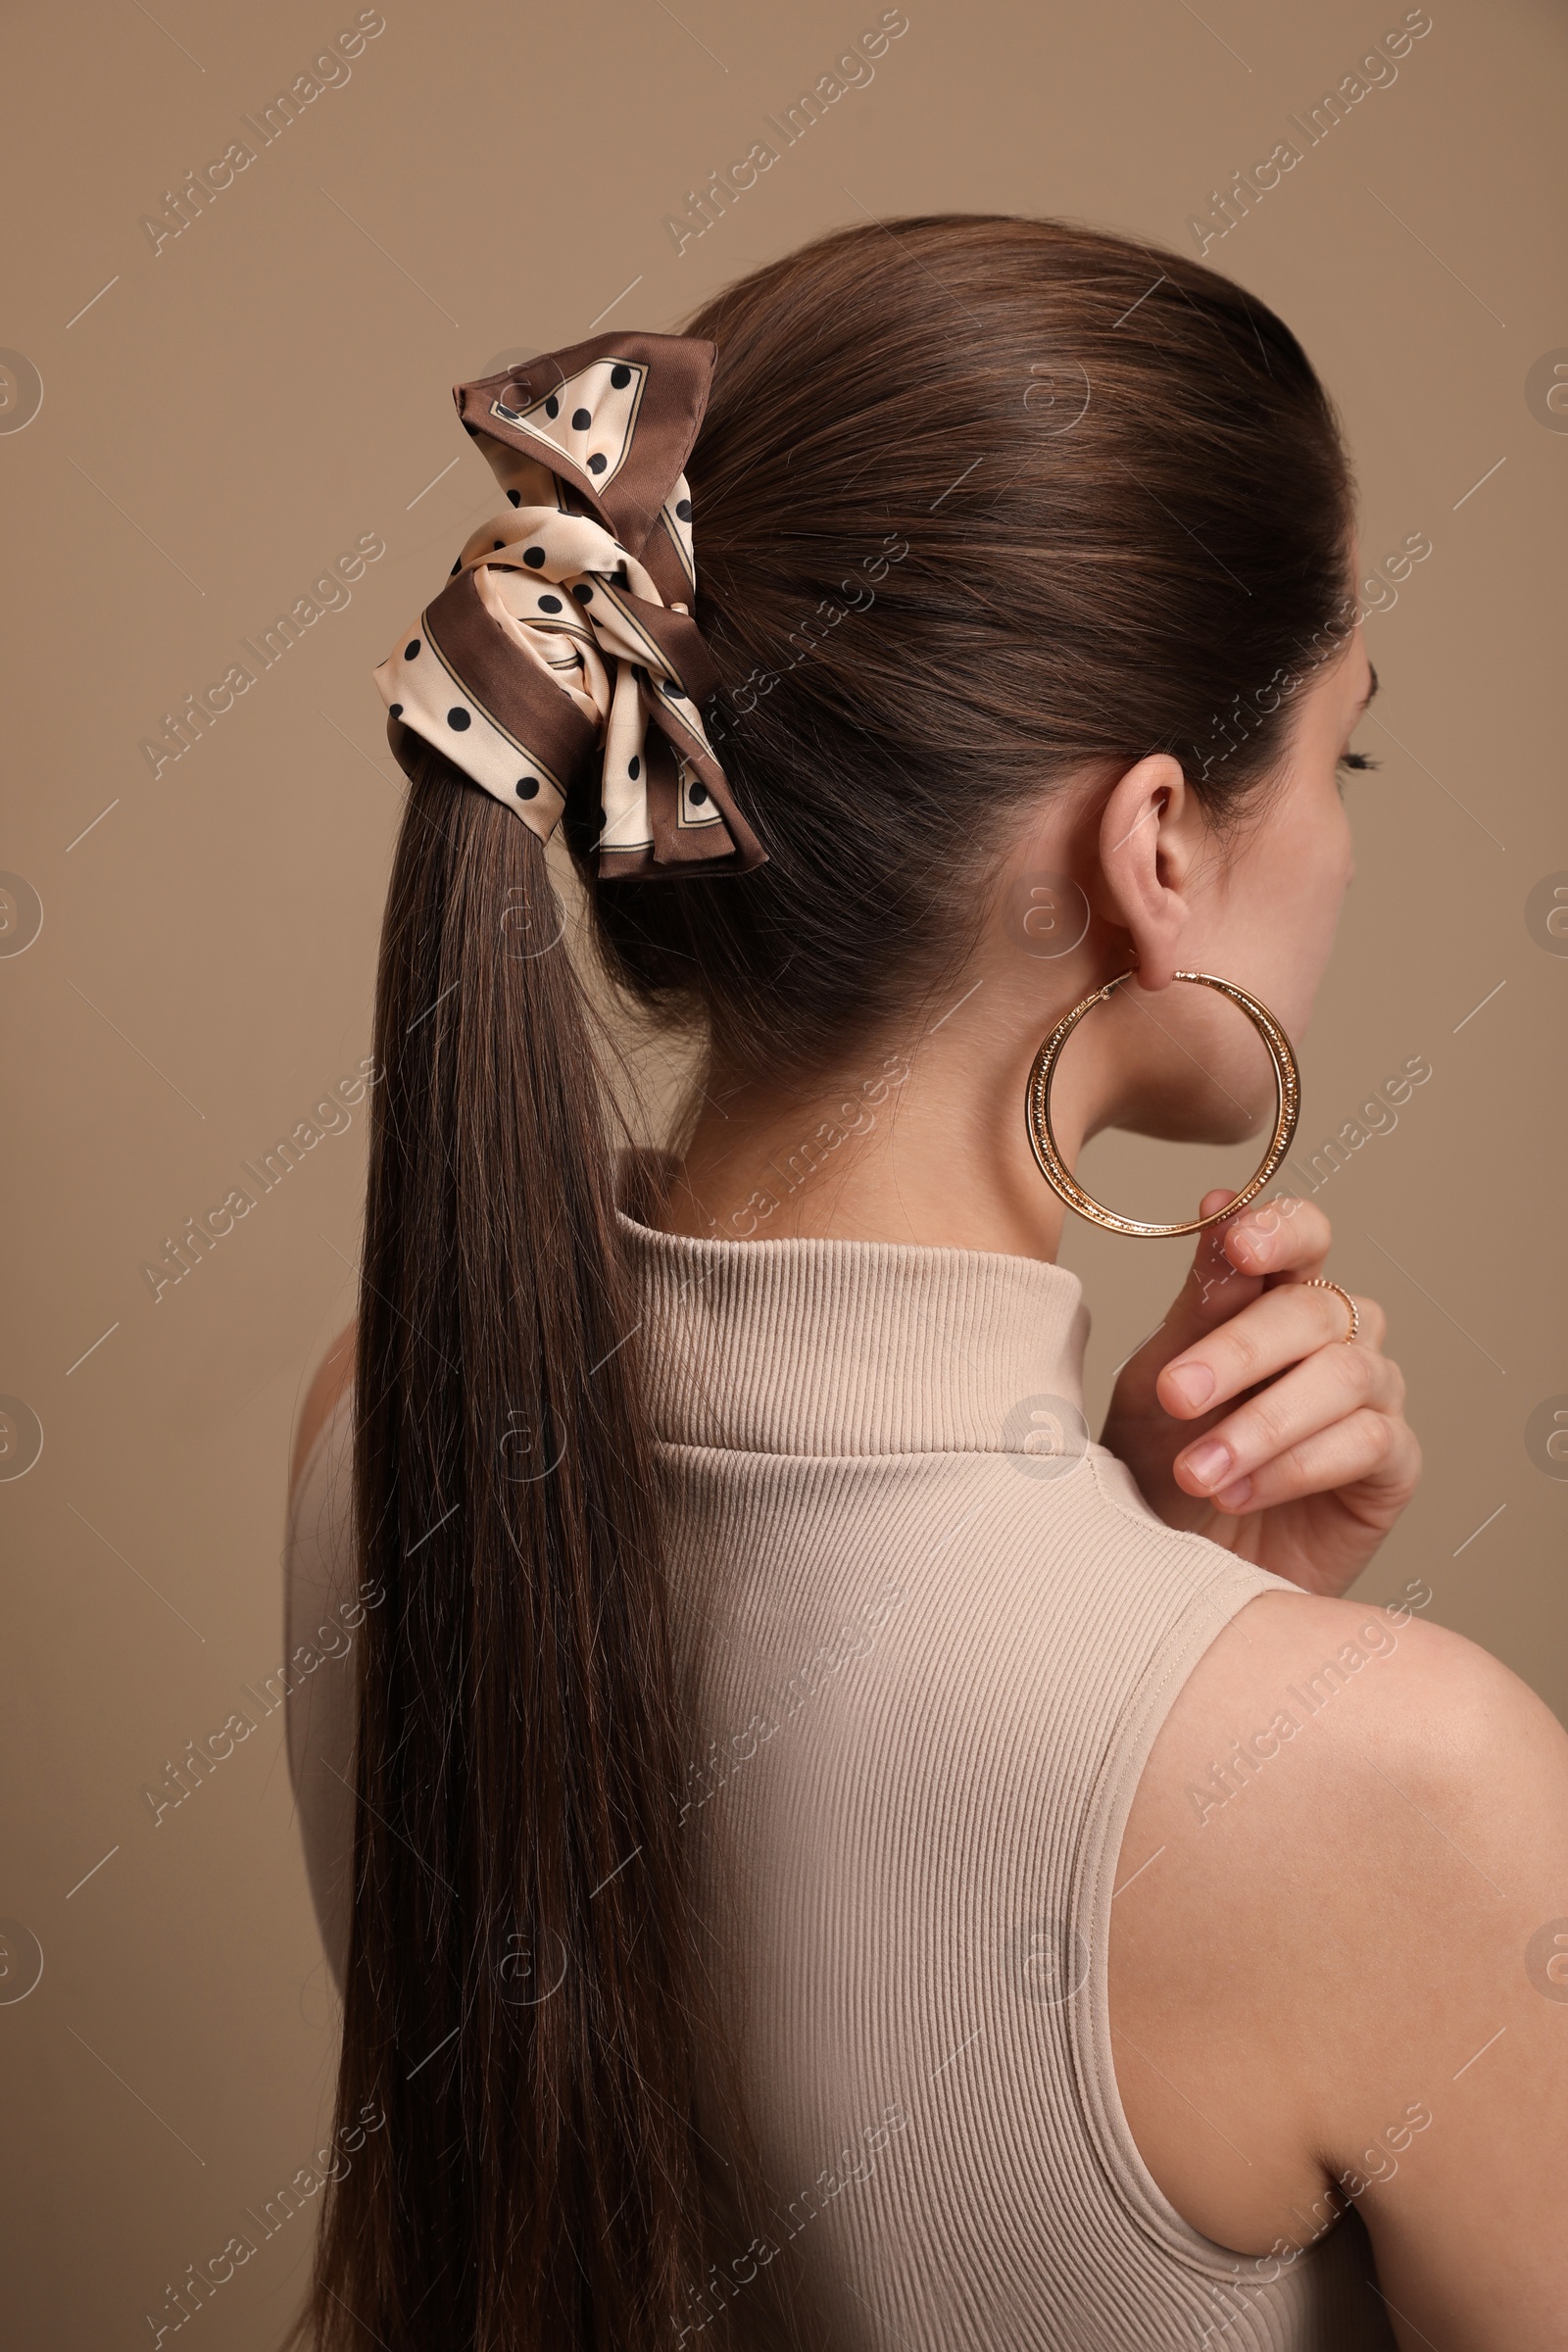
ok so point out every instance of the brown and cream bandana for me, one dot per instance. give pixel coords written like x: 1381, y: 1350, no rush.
x: 566, y: 628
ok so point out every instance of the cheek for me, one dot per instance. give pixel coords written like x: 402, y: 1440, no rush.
x: 1342, y: 843
x: 1311, y: 889
x: 1285, y: 916
x: 1327, y: 862
x: 1311, y: 857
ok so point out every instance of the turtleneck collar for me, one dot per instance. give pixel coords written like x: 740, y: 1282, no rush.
x: 806, y: 1347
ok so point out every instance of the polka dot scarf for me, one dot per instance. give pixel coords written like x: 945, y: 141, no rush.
x: 561, y: 658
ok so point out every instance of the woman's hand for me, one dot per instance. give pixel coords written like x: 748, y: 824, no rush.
x: 1248, y: 1418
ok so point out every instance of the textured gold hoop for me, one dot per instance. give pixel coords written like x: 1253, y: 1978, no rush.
x: 1042, y: 1135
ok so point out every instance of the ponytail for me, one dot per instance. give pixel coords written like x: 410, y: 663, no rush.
x: 526, y: 2001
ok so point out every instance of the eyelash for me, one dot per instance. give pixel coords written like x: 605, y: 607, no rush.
x: 1358, y: 760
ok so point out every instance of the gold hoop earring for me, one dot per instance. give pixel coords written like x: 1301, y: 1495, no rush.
x: 1042, y: 1135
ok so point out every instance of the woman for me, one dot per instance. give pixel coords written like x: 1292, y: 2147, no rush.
x: 833, y: 1854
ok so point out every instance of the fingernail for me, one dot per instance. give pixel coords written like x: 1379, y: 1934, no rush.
x: 1193, y: 1383
x: 1259, y: 1245
x: 1208, y: 1462
x: 1232, y: 1497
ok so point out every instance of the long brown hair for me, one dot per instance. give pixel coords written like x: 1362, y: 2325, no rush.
x: 978, y: 499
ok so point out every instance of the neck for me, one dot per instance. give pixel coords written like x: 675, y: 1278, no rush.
x: 919, y: 1138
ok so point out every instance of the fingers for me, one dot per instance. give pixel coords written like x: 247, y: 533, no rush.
x: 1271, y: 1238
x: 1270, y: 1441
x: 1366, y: 1449
x: 1283, y: 1235
x: 1214, y: 1288
x: 1278, y: 1328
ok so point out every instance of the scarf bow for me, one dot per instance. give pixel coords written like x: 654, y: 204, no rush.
x: 562, y: 657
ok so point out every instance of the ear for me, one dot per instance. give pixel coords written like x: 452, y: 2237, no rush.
x: 1149, y: 840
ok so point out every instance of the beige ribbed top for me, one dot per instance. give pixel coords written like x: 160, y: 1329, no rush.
x: 933, y: 1632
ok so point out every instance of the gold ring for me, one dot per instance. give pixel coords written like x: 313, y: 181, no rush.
x: 1321, y: 1282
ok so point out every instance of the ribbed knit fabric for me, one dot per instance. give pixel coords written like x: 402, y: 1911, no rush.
x: 931, y: 1633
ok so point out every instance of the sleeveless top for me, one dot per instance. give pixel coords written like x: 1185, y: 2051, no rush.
x: 931, y: 1631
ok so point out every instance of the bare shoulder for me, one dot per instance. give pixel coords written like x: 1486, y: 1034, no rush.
x: 331, y: 1377
x: 1345, y: 1954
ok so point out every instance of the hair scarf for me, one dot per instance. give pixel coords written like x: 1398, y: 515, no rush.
x: 561, y: 658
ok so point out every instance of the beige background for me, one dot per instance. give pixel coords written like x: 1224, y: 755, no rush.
x: 228, y: 415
